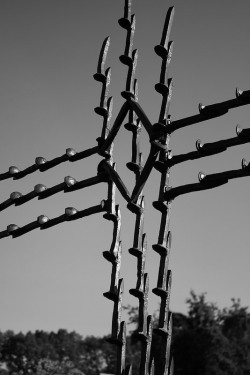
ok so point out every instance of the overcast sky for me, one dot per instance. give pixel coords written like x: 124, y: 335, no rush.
x: 49, y: 50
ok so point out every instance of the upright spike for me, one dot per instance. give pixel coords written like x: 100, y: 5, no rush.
x: 162, y: 49
x: 146, y: 347
x: 116, y: 318
x: 100, y: 75
x: 121, y: 350
x: 126, y: 58
x: 125, y: 21
x: 141, y: 260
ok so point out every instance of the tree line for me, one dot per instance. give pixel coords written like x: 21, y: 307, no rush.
x: 206, y: 341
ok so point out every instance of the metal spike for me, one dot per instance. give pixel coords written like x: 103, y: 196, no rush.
x: 161, y: 49
x: 125, y: 21
x: 100, y: 75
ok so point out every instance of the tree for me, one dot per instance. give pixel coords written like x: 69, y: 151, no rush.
x: 48, y: 367
x: 206, y: 341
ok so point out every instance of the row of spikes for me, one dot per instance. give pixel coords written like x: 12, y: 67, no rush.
x: 144, y: 329
x: 206, y: 113
x: 129, y: 58
x: 208, y: 181
x: 208, y: 149
x: 43, y: 221
x: 43, y: 164
x: 163, y: 288
x: 41, y: 191
x: 212, y: 111
x: 155, y: 131
x: 115, y: 293
x: 71, y: 184
x: 71, y: 213
x: 118, y: 330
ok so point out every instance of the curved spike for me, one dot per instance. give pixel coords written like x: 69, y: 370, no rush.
x: 100, y: 75
x: 161, y: 49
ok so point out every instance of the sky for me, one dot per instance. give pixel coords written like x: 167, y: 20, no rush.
x: 56, y: 278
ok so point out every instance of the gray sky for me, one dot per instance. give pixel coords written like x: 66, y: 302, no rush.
x: 49, y: 49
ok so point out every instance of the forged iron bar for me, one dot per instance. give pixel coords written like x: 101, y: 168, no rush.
x: 106, y: 103
x: 161, y: 86
x: 166, y: 97
x: 154, y: 151
x: 106, y: 120
x: 212, y: 111
x: 164, y: 50
x: 161, y: 49
x: 112, y: 254
x: 206, y: 149
x: 111, y: 213
x: 43, y: 222
x: 121, y: 350
x: 125, y: 21
x: 137, y: 243
x: 43, y: 165
x: 164, y: 307
x: 141, y: 260
x: 207, y: 182
x: 100, y: 76
x: 141, y: 331
x: 164, y: 252
x: 135, y: 127
x: 146, y: 348
x: 164, y: 365
x: 116, y: 265
x: 115, y: 128
x: 102, y: 110
x: 41, y: 191
x: 135, y: 106
x: 130, y: 76
x: 126, y: 58
x: 104, y: 165
x: 116, y: 318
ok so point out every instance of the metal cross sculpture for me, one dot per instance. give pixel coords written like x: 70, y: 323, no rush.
x: 160, y: 157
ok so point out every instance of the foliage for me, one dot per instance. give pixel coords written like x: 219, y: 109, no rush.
x: 212, y: 341
x: 49, y: 367
x: 206, y: 341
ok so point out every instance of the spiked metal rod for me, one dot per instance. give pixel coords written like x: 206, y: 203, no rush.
x: 208, y: 181
x: 137, y: 243
x: 207, y: 149
x: 105, y: 166
x: 135, y: 127
x: 154, y: 151
x: 146, y: 348
x: 43, y: 222
x: 126, y: 58
x: 164, y: 252
x: 111, y: 213
x: 116, y: 318
x: 141, y: 331
x: 141, y: 260
x: 162, y: 49
x: 135, y: 106
x: 164, y: 365
x: 213, y: 110
x: 42, y: 192
x: 125, y: 21
x: 43, y: 165
x: 121, y: 352
x: 115, y: 128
